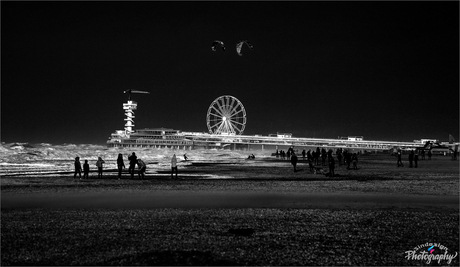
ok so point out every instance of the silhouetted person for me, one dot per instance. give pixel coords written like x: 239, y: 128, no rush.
x: 354, y: 159
x: 99, y: 164
x: 310, y: 164
x: 86, y: 170
x: 185, y: 157
x: 317, y: 155
x: 423, y: 154
x: 400, y: 164
x: 415, y: 160
x: 303, y: 154
x: 323, y: 157
x: 345, y: 156
x: 331, y: 163
x: 411, y: 158
x: 120, y: 165
x: 348, y: 159
x: 429, y: 154
x: 77, y: 167
x: 132, y: 164
x: 142, y: 168
x: 294, y: 161
x: 277, y: 154
x: 173, y: 166
x: 339, y: 156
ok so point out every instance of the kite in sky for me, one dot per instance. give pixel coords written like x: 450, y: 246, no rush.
x: 215, y: 43
x: 239, y: 45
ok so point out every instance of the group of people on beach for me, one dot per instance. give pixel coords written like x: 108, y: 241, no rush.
x: 344, y: 157
x: 133, y: 161
x: 78, y: 168
x: 413, y: 158
x: 313, y: 158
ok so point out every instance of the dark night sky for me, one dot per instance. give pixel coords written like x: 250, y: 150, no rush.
x: 382, y: 70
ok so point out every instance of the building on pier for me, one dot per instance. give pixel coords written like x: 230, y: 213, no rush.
x: 175, y: 139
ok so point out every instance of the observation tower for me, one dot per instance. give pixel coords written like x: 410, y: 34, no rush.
x: 129, y: 108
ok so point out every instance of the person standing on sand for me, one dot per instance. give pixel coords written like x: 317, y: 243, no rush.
x: 142, y: 168
x: 77, y: 167
x: 310, y: 164
x: 173, y: 166
x: 132, y: 164
x: 415, y: 160
x: 99, y: 164
x: 331, y: 166
x: 348, y: 158
x: 120, y: 165
x: 354, y: 159
x: 429, y: 154
x: 399, y: 159
x: 345, y: 156
x: 411, y: 158
x: 323, y: 157
x: 339, y: 156
x: 86, y: 170
x: 303, y: 154
x: 294, y: 160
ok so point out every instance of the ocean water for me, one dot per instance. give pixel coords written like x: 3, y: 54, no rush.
x: 46, y: 159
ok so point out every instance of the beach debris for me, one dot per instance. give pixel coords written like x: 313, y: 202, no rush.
x: 239, y: 45
x: 217, y: 42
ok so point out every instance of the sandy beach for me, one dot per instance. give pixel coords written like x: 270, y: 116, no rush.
x: 259, y: 213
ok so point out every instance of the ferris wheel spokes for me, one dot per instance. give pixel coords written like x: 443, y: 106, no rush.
x: 226, y: 115
x: 237, y: 122
x: 218, y: 111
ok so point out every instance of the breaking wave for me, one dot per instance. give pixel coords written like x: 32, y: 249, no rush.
x: 44, y: 158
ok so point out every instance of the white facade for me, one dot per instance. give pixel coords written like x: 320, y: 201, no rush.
x: 129, y: 108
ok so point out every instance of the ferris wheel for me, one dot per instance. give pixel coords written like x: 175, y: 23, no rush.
x: 226, y: 115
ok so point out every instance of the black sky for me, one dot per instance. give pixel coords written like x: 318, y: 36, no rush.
x: 382, y: 70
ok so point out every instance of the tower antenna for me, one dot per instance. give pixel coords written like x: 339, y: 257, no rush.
x: 129, y: 91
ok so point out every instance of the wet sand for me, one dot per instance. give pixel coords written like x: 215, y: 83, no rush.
x: 217, y: 200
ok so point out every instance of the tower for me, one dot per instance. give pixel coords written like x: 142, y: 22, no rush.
x: 129, y: 108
